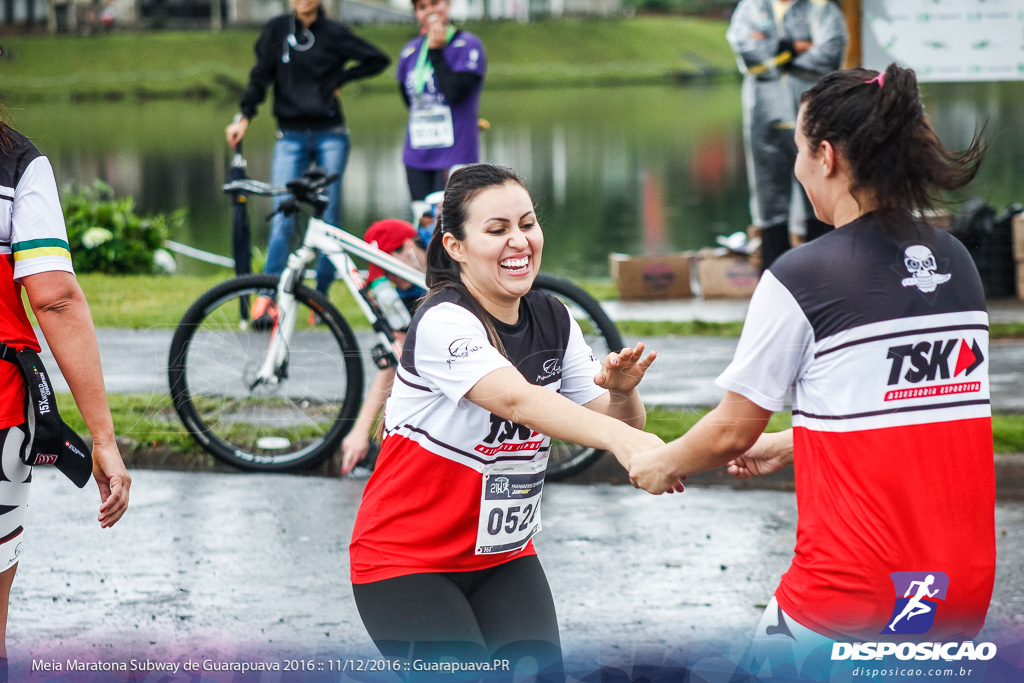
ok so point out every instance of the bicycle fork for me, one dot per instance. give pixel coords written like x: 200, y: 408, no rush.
x: 275, y: 363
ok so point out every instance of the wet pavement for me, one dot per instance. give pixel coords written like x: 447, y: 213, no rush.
x: 251, y: 566
x: 213, y: 565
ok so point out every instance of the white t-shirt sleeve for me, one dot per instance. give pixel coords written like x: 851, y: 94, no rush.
x: 452, y: 352
x: 776, y: 346
x: 39, y: 238
x: 579, y: 367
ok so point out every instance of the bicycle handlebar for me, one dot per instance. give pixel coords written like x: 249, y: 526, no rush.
x: 304, y: 188
x: 250, y: 186
x: 310, y: 182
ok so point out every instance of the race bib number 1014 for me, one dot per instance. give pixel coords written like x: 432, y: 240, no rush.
x: 431, y: 128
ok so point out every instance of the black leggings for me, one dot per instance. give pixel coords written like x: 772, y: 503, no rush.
x: 502, y: 613
x: 424, y: 181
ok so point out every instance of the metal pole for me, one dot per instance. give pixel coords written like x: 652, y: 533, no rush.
x: 852, y: 12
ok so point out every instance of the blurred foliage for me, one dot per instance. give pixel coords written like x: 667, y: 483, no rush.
x: 107, y: 236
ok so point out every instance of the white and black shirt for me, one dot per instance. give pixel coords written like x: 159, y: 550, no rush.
x: 422, y: 507
x: 882, y: 333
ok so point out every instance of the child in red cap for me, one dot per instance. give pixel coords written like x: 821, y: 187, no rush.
x: 399, y: 239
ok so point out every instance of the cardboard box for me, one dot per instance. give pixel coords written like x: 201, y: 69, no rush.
x: 727, y: 275
x: 1020, y: 279
x: 1018, y: 241
x: 651, y: 277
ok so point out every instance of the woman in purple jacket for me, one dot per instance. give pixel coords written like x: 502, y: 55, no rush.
x: 440, y: 74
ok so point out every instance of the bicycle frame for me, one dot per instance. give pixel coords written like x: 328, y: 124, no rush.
x: 296, y: 422
x: 337, y: 245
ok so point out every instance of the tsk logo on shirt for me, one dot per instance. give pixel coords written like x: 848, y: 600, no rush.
x: 928, y: 361
x: 917, y: 600
x: 509, y: 437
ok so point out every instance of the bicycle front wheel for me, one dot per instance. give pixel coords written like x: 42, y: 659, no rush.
x: 291, y: 424
x: 566, y: 459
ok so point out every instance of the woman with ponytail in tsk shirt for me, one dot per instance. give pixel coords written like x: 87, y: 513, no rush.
x: 443, y: 565
x: 881, y: 328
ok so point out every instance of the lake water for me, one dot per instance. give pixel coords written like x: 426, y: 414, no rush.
x: 634, y: 170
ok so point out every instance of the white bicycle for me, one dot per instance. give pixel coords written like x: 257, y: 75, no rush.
x: 283, y: 398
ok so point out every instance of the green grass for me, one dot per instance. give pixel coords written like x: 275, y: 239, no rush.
x: 147, y: 420
x: 671, y: 423
x: 150, y: 422
x: 152, y: 301
x: 148, y: 301
x: 1008, y: 433
x: 646, y: 329
x: 200, y: 63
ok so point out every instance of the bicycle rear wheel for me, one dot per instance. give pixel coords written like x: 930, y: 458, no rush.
x: 291, y: 425
x: 566, y: 459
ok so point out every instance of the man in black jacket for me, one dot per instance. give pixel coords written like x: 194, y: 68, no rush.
x: 305, y: 56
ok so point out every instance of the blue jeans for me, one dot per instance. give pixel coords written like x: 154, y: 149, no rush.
x: 294, y: 152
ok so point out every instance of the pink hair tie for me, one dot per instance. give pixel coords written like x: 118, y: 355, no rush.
x: 879, y: 79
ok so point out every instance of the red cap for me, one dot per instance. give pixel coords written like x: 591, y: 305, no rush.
x: 387, y: 235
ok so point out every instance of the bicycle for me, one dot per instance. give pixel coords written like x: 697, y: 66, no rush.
x: 283, y: 399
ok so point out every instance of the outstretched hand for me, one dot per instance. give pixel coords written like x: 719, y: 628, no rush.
x: 622, y: 371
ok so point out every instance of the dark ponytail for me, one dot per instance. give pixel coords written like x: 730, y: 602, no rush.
x: 5, y: 133
x: 878, y: 124
x: 444, y: 272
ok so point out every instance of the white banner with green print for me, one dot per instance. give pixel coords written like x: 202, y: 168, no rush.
x: 946, y: 40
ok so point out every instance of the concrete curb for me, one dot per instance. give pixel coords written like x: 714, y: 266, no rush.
x: 1009, y: 470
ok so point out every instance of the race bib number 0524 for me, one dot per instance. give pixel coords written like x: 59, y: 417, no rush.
x: 509, y: 506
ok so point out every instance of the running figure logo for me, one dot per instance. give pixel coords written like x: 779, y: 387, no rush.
x: 917, y: 596
x: 500, y: 486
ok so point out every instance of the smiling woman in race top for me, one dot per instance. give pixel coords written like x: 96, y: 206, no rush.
x: 442, y: 560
